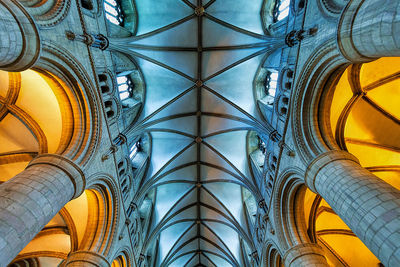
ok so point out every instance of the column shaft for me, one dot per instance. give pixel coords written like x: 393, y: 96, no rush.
x: 32, y: 198
x: 370, y: 29
x: 19, y: 37
x: 10, y: 37
x: 367, y: 204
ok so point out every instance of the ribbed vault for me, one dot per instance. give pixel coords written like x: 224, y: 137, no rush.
x: 198, y: 60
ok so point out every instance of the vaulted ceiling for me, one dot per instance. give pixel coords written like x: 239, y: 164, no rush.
x: 198, y: 59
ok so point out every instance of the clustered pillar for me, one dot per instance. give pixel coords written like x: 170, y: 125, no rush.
x: 367, y: 204
x: 32, y: 198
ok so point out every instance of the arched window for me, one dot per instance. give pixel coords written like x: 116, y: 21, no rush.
x: 257, y: 150
x: 262, y: 146
x: 281, y: 10
x: 146, y: 209
x: 125, y: 87
x: 270, y: 84
x: 250, y: 203
x: 114, y: 11
x: 135, y: 148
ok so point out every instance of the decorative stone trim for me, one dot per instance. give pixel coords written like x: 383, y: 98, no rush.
x: 48, y: 13
x: 87, y: 258
x: 304, y: 255
x: 69, y: 167
x: 315, y: 166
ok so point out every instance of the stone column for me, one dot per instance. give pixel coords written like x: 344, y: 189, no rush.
x: 367, y: 204
x: 32, y: 198
x: 86, y: 259
x: 19, y: 37
x: 369, y: 29
x: 305, y: 255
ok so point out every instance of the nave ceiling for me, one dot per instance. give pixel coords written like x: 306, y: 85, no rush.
x: 211, y: 112
x: 198, y: 60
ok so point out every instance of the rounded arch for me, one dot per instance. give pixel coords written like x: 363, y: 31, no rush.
x: 80, y: 95
x: 66, y: 216
x: 331, y: 8
x: 369, y: 88
x: 289, y: 216
x: 47, y: 13
x: 122, y: 258
x: 354, y: 112
x: 103, y: 218
x: 275, y: 13
x: 27, y: 128
x: 271, y: 255
x: 305, y: 101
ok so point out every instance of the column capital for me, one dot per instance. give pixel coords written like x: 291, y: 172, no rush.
x: 73, y: 171
x: 318, y: 163
x: 86, y: 258
x: 305, y: 255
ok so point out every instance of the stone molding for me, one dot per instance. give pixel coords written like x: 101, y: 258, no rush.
x: 86, y: 258
x: 48, y: 13
x: 312, y: 251
x: 73, y: 171
x: 317, y: 164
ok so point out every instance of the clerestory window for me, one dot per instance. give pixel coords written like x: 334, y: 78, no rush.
x: 125, y: 87
x: 281, y: 10
x: 262, y: 146
x: 270, y: 84
x: 113, y: 11
x: 135, y: 148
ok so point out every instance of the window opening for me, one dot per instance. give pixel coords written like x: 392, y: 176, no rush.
x: 281, y: 10
x: 114, y: 11
x: 262, y: 146
x: 270, y: 84
x: 125, y: 87
x: 134, y: 150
